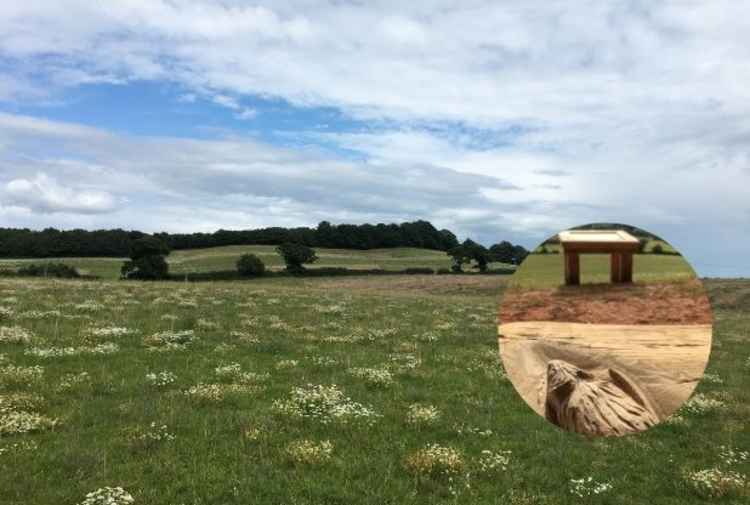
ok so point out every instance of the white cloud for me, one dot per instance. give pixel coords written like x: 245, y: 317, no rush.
x: 246, y: 114
x: 226, y: 101
x: 43, y: 194
x: 481, y: 62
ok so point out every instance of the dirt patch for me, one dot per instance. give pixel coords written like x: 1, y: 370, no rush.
x: 665, y: 303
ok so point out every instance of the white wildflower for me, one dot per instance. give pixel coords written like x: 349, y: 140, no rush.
x: 324, y: 404
x: 700, y: 404
x: 493, y: 462
x: 435, y: 461
x: 108, y: 496
x: 422, y: 415
x: 161, y: 379
x: 20, y: 421
x: 286, y: 363
x: 374, y: 377
x: 309, y: 452
x: 587, y: 486
x: 14, y: 335
x: 715, y: 483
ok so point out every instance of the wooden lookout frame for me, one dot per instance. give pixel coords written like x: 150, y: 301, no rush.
x: 619, y: 244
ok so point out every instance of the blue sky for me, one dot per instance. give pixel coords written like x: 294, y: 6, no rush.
x: 498, y: 121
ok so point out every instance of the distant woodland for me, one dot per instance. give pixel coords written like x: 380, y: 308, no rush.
x: 50, y: 242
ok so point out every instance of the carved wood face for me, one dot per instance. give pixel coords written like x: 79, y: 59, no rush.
x: 580, y: 402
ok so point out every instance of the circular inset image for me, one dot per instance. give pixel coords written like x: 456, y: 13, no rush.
x: 605, y: 330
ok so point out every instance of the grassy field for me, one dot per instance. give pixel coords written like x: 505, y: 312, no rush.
x: 225, y: 258
x: 326, y: 391
x: 547, y: 270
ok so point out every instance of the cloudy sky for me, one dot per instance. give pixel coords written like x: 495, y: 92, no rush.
x: 497, y: 120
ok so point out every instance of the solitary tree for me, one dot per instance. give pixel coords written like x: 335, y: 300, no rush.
x: 146, y: 259
x: 466, y: 252
x: 296, y: 255
x: 458, y: 257
x: 249, y: 265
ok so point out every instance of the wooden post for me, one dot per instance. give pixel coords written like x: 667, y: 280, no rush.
x: 627, y: 267
x: 572, y: 269
x: 615, y: 267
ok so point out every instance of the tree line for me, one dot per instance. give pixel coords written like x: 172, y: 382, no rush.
x: 50, y: 242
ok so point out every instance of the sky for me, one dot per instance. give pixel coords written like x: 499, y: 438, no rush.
x: 496, y: 120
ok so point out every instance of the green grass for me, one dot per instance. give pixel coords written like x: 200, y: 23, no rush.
x: 225, y: 258
x: 547, y: 270
x: 447, y: 323
x: 105, y: 268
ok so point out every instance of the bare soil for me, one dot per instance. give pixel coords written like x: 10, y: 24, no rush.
x: 664, y: 303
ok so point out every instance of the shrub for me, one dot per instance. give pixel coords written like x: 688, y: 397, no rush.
x: 657, y: 249
x: 59, y: 270
x: 249, y: 265
x: 443, y: 271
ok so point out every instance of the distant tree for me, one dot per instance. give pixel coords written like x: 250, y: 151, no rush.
x: 505, y: 252
x: 458, y: 257
x: 502, y: 252
x: 52, y: 243
x: 148, y: 246
x: 296, y: 255
x: 449, y: 239
x: 466, y: 252
x: 146, y: 259
x: 249, y: 265
x: 657, y: 249
x: 478, y: 253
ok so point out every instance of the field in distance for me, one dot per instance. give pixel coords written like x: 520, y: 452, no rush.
x: 320, y: 390
x: 541, y: 271
x: 224, y: 258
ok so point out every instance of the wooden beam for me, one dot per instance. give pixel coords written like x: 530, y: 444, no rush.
x: 615, y: 267
x: 572, y: 269
x: 627, y: 267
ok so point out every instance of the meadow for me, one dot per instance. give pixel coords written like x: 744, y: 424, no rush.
x: 225, y: 258
x: 338, y: 391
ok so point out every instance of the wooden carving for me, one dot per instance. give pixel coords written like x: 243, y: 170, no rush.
x: 610, y: 405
